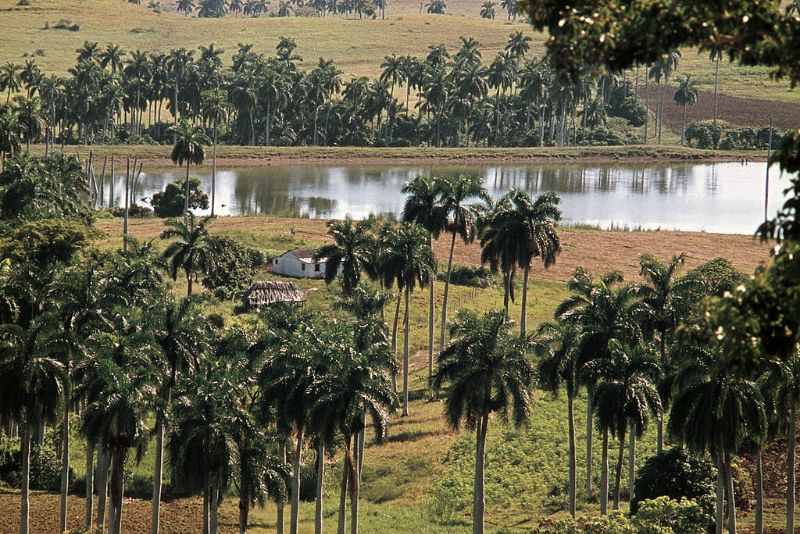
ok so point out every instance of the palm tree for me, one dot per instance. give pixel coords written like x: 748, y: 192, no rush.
x: 624, y: 400
x: 662, y: 71
x: 714, y: 410
x: 181, y: 333
x: 532, y: 228
x: 120, y: 392
x: 347, y: 254
x: 556, y: 346
x: 192, y: 251
x: 686, y: 95
x: 215, y: 110
x: 486, y: 371
x: 517, y: 45
x: 408, y: 262
x: 31, y: 118
x: 10, y: 79
x: 10, y: 134
x: 455, y: 195
x: 422, y: 208
x: 603, y: 311
x: 185, y: 6
x: 31, y: 389
x: 716, y: 57
x: 666, y: 296
x: 189, y: 147
x: 487, y: 10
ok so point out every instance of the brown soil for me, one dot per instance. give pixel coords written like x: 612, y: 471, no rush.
x: 595, y: 250
x: 733, y: 109
x: 178, y: 517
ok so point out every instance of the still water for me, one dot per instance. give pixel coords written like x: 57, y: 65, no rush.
x: 722, y: 197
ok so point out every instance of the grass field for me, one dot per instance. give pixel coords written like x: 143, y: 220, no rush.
x: 358, y: 46
x: 420, y: 478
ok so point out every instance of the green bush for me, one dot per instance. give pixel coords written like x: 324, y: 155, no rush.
x: 45, y: 466
x: 232, y: 269
x: 463, y: 275
x: 667, y: 516
x: 614, y: 523
x: 701, y: 135
x: 676, y: 474
x: 171, y: 201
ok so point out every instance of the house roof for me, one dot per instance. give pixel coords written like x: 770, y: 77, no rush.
x: 266, y: 292
x: 306, y: 255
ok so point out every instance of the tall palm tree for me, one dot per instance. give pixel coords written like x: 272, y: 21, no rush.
x: 191, y: 252
x: 10, y: 134
x: 408, y: 262
x: 31, y: 118
x: 667, y: 297
x: 10, y: 79
x: 456, y: 200
x: 555, y: 344
x: 714, y: 410
x: 624, y: 399
x: 346, y: 256
x: 189, y: 147
x: 604, y: 311
x: 215, y: 110
x: 486, y: 370
x: 31, y: 389
x: 686, y: 95
x: 487, y: 10
x: 181, y: 333
x: 422, y: 208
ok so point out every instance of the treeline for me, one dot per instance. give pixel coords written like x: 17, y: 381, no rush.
x: 443, y: 99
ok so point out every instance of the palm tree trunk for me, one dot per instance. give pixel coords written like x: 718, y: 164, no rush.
x: 524, y: 313
x: 573, y: 468
x: 716, y: 96
x: 89, y: 484
x: 394, y: 341
x: 731, y: 496
x: 186, y: 200
x: 443, y: 335
x: 646, y: 95
x: 244, y: 512
x: 296, y: 483
x: 117, y: 488
x: 478, y: 492
x: 102, y: 486
x: 604, y: 476
x: 405, y: 353
x: 320, y: 477
x: 362, y: 437
x: 214, y: 511
x: 343, y: 491
x: 790, y: 466
x: 683, y: 128
x: 65, y: 449
x: 589, y: 432
x: 25, y: 445
x: 279, y: 527
x: 720, y: 504
x: 618, y: 474
x: 206, y: 509
x: 431, y: 313
x: 632, y: 462
x: 158, y: 475
x: 355, y: 486
x: 759, y: 483
x: 214, y: 171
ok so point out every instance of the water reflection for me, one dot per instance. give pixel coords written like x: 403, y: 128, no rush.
x: 725, y: 197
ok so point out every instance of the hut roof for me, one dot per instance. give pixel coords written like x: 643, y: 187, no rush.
x: 266, y: 292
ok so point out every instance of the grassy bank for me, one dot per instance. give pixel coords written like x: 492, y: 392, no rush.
x: 249, y: 155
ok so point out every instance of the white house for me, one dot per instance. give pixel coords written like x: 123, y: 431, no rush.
x: 299, y: 263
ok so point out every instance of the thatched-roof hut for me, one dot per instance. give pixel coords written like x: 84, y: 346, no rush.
x: 266, y: 292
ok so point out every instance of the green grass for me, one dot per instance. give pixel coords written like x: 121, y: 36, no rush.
x: 358, y: 46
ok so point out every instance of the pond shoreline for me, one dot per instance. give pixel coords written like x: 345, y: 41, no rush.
x: 244, y: 156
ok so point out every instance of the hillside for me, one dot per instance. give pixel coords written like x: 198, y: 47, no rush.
x: 358, y: 46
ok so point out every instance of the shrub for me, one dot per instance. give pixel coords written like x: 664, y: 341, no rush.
x: 676, y: 474
x: 462, y: 275
x: 45, y: 466
x: 614, y: 523
x: 135, y: 211
x: 232, y: 269
x: 664, y: 515
x: 631, y: 109
x: 170, y: 202
x: 701, y: 135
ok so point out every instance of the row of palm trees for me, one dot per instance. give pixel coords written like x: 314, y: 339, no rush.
x: 115, y: 96
x: 258, y: 8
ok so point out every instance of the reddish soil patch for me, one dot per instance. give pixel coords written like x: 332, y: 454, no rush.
x: 178, y: 517
x: 599, y: 251
x: 733, y: 109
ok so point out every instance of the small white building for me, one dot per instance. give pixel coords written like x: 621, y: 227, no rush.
x: 299, y: 263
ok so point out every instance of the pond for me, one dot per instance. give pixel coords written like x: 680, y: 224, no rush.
x: 712, y: 197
